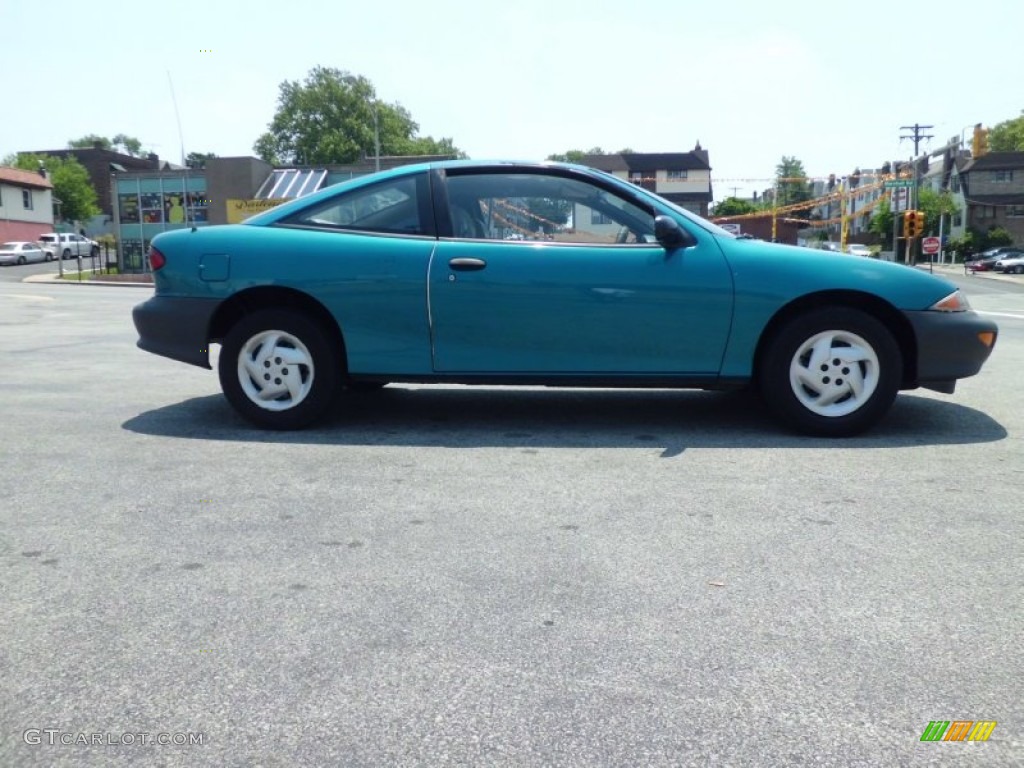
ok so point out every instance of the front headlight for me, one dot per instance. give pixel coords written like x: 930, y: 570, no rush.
x: 955, y: 302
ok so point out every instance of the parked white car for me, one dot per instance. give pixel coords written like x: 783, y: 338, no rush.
x: 857, y: 249
x: 1011, y: 261
x: 21, y: 252
x: 69, y: 245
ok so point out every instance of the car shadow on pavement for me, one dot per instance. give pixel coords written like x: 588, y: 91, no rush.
x: 470, y: 417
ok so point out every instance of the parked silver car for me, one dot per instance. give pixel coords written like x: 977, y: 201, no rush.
x: 21, y: 252
x: 1010, y: 261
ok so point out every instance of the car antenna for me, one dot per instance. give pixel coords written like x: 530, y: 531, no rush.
x: 181, y: 137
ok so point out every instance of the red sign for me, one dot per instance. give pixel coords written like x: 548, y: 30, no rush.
x: 930, y: 245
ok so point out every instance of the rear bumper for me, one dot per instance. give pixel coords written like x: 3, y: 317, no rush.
x: 948, y: 346
x: 177, y: 328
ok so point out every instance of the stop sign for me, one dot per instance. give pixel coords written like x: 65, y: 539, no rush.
x: 930, y: 245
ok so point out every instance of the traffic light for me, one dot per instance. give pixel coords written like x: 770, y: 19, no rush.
x: 913, y: 223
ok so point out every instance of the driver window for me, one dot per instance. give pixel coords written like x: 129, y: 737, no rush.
x: 540, y: 207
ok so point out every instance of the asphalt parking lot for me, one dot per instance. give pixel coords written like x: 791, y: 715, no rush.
x: 495, y: 576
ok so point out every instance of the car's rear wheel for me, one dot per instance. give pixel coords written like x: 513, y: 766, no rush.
x: 67, y: 253
x: 833, y: 372
x: 279, y: 370
x: 21, y: 260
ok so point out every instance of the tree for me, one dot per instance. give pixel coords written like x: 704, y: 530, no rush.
x: 197, y: 160
x: 1007, y: 136
x: 577, y: 155
x: 335, y: 117
x: 792, y: 185
x: 935, y: 204
x: 128, y: 145
x: 90, y: 141
x: 882, y: 221
x: 71, y: 184
x: 733, y: 206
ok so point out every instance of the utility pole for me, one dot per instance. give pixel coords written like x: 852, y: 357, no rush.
x: 917, y: 137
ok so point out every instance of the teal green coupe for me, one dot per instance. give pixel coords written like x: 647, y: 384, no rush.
x: 515, y: 273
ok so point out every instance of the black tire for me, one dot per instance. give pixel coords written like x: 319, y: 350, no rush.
x: 822, y: 398
x: 21, y: 260
x: 66, y: 254
x: 1018, y: 270
x: 47, y: 256
x: 314, y: 372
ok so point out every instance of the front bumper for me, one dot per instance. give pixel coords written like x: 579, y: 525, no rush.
x: 177, y: 328
x: 949, y: 346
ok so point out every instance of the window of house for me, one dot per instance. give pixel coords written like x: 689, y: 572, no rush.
x: 596, y: 217
x: 1015, y: 210
x: 677, y: 175
x: 954, y: 183
x: 1002, y: 175
x: 636, y: 177
x: 26, y: 199
x: 957, y: 219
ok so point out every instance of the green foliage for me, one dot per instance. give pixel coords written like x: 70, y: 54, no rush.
x: 934, y: 204
x: 331, y: 118
x: 577, y: 155
x: 197, y: 160
x: 791, y: 182
x: 127, y: 145
x: 1007, y: 136
x: 995, y: 237
x: 734, y: 206
x: 89, y: 141
x: 71, y: 184
x: 882, y: 221
x: 962, y: 247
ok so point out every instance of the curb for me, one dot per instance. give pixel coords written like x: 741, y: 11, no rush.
x: 53, y: 279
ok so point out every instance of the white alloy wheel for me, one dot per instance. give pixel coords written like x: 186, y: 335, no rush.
x: 833, y: 373
x: 275, y: 370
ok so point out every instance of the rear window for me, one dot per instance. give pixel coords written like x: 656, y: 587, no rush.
x: 48, y: 238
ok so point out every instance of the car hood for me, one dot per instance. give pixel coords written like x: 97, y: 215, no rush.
x: 783, y: 272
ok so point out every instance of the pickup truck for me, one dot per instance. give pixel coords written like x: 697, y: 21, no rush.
x: 69, y: 245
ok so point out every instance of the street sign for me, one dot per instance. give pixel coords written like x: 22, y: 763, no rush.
x: 930, y: 245
x: 893, y: 183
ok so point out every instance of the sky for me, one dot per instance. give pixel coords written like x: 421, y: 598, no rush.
x: 828, y: 83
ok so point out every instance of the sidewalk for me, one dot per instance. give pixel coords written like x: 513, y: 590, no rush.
x: 958, y: 271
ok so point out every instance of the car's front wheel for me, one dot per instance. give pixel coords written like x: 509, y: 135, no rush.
x: 832, y: 372
x: 1018, y: 270
x: 21, y: 260
x: 279, y: 369
x: 66, y: 254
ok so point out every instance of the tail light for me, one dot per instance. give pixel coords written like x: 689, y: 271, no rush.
x: 156, y: 259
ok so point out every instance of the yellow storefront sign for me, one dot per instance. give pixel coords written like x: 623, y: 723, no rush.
x: 240, y: 210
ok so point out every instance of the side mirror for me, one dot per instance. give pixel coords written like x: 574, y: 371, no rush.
x: 669, y: 234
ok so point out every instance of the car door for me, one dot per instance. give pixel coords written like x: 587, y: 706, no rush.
x: 553, y: 272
